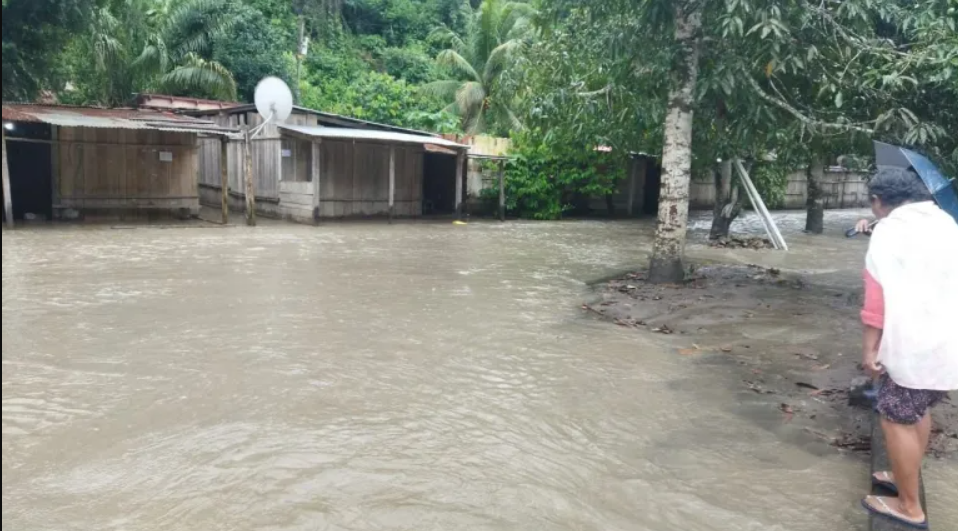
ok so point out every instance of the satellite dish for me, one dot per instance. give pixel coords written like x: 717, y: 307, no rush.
x: 273, y: 99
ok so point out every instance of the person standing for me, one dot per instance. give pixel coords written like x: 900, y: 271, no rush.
x: 909, y: 343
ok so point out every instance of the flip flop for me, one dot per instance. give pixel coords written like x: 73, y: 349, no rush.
x: 886, y: 483
x: 886, y: 511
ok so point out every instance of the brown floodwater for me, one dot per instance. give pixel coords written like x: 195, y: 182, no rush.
x: 418, y: 376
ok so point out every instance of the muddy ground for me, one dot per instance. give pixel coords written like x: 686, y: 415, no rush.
x: 796, y: 344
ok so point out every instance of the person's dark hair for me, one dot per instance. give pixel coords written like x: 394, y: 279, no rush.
x: 897, y: 186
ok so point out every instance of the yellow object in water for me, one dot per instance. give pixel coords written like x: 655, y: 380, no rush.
x: 457, y: 222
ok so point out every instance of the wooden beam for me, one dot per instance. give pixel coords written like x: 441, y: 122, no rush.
x: 250, y: 188
x: 316, y: 172
x: 502, y: 190
x: 55, y: 166
x: 460, y: 162
x: 225, y: 178
x: 7, y: 199
x: 392, y: 181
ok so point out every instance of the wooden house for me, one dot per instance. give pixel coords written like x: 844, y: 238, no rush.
x: 64, y: 162
x: 319, y: 165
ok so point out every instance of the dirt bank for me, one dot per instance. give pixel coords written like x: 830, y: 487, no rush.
x: 794, y: 343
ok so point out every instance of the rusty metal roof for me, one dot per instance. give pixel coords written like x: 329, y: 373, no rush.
x: 331, y: 119
x: 100, y: 118
x: 180, y: 104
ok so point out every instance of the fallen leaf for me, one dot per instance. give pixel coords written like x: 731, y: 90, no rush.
x: 807, y: 385
x: 726, y: 349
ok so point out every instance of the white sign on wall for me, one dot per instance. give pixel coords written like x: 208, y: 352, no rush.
x: 287, y: 153
x: 166, y: 156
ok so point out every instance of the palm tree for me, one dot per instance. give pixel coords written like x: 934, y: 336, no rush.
x: 478, y: 59
x: 184, y: 30
x: 173, y: 39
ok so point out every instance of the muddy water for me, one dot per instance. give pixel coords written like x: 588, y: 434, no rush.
x: 360, y: 377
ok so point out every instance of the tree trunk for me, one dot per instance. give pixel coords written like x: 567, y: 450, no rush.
x: 669, y: 246
x: 815, y: 218
x: 610, y: 205
x: 728, y: 204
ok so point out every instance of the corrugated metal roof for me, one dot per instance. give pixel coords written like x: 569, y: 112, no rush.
x: 342, y: 133
x: 176, y: 103
x: 322, y: 114
x: 97, y: 118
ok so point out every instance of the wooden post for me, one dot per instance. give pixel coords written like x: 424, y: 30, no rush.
x: 460, y: 162
x: 7, y: 199
x: 250, y: 189
x: 392, y: 181
x: 633, y: 169
x: 55, y: 167
x: 225, y: 178
x: 502, y: 190
x: 316, y: 170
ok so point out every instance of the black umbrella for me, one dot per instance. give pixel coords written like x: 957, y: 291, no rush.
x: 940, y: 187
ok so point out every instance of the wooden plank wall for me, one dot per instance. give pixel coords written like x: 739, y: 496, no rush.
x: 267, y: 165
x: 119, y: 168
x: 354, y: 179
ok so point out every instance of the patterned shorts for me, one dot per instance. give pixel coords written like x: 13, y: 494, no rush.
x: 905, y: 406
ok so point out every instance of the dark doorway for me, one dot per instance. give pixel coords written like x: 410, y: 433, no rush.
x: 439, y: 185
x: 653, y: 185
x: 31, y: 171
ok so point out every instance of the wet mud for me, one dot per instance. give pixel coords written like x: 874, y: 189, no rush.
x: 796, y: 343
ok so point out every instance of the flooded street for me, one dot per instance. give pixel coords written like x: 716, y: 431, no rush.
x: 419, y: 376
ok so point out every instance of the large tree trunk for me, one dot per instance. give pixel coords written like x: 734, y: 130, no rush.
x: 815, y: 218
x: 669, y: 247
x: 728, y: 204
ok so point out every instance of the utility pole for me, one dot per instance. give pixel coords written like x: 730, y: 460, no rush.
x: 302, y: 49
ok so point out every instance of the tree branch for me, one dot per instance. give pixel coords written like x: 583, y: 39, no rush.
x: 798, y: 114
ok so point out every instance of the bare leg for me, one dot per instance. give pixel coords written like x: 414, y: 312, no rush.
x: 924, y: 434
x: 905, y: 451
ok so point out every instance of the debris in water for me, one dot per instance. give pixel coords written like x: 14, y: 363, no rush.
x: 789, y: 412
x: 757, y: 388
x: 742, y: 243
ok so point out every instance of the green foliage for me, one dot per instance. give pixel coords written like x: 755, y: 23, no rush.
x: 436, y: 122
x: 182, y: 33
x: 378, y: 98
x: 544, y: 179
x: 771, y: 181
x: 799, y: 80
x: 252, y: 50
x: 477, y: 60
x: 35, y: 32
x: 410, y: 64
x: 400, y: 22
